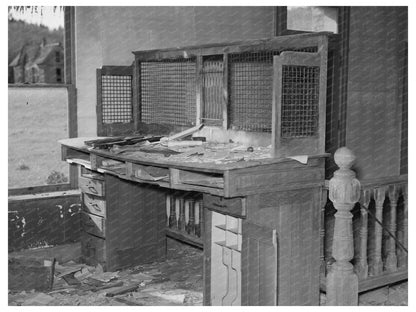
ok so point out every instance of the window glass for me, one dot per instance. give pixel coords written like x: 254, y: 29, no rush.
x: 312, y: 18
x: 37, y: 111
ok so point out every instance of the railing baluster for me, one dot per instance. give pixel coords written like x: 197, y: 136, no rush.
x: 201, y: 213
x: 391, y: 259
x: 181, y: 220
x: 197, y: 219
x: 361, y: 265
x: 167, y: 209
x: 191, y: 224
x: 344, y: 192
x: 172, y: 217
x: 402, y: 231
x: 376, y: 262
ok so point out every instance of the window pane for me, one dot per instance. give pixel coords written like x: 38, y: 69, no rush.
x: 310, y: 18
x: 37, y: 120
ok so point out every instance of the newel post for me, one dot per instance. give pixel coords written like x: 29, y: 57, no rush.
x: 344, y: 192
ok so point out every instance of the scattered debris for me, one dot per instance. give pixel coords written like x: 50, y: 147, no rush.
x: 27, y: 274
x: 171, y: 282
x: 123, y: 290
x: 39, y: 299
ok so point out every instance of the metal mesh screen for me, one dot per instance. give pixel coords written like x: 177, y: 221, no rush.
x: 116, y: 99
x: 213, y: 69
x: 168, y: 91
x: 300, y: 101
x: 251, y: 89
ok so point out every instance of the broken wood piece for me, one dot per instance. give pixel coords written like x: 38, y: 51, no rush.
x: 128, y: 302
x: 71, y: 280
x: 107, y: 286
x: 183, y: 133
x: 66, y: 271
x: 27, y: 274
x: 184, y: 143
x: 123, y: 290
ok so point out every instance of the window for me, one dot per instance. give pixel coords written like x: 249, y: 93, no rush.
x: 296, y: 19
x: 58, y: 75
x: 38, y: 110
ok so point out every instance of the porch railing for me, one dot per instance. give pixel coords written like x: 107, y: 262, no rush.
x: 379, y: 235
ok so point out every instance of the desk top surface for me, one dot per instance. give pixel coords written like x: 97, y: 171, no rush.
x: 207, y: 157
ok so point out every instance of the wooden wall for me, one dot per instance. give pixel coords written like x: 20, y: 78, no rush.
x: 43, y: 220
x: 107, y: 35
x: 374, y: 106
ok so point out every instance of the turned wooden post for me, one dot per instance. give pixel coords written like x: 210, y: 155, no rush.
x: 391, y: 260
x: 191, y: 223
x: 402, y: 232
x: 181, y: 220
x: 344, y: 192
x: 361, y: 264
x: 172, y: 216
x: 376, y: 262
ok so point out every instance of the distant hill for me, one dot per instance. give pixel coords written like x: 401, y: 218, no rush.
x: 21, y: 32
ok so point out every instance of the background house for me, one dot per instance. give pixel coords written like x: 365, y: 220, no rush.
x: 38, y: 63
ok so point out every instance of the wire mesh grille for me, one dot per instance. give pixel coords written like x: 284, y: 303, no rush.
x: 251, y: 89
x: 116, y: 99
x: 213, y: 69
x: 168, y: 92
x: 300, y: 101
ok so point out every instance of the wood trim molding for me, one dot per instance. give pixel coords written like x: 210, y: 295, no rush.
x: 344, y: 33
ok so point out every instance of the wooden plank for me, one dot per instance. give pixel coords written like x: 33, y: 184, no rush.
x: 207, y: 241
x: 283, y: 42
x: 225, y: 88
x: 376, y: 281
x: 43, y: 195
x: 185, y: 237
x: 99, y: 104
x: 259, y: 265
x: 40, y: 189
x: 199, y: 90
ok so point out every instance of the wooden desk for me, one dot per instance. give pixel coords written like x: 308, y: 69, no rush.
x: 261, y: 221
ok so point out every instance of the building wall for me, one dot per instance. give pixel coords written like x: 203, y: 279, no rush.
x: 374, y: 105
x: 108, y: 35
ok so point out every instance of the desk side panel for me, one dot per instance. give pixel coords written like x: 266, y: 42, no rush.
x: 136, y: 221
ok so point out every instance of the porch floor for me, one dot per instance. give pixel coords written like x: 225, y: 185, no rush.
x: 175, y: 281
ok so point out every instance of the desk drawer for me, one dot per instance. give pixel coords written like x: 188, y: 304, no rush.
x: 91, y: 186
x: 94, y: 205
x: 93, y: 249
x: 231, y: 206
x: 93, y: 224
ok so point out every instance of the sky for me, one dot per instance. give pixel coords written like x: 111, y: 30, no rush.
x: 48, y: 17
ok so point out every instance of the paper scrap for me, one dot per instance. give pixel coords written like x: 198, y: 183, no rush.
x: 303, y: 159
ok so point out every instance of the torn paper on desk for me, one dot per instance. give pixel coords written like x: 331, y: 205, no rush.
x: 303, y: 159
